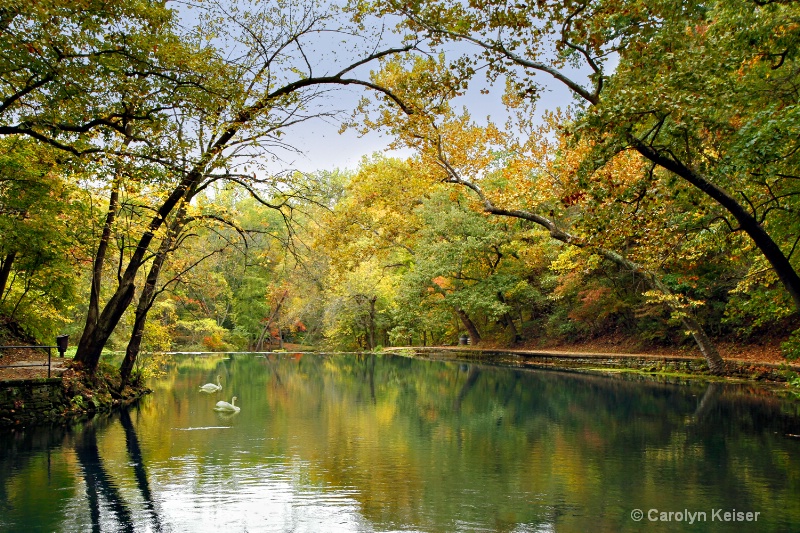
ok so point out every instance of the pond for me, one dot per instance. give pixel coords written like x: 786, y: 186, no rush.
x: 368, y: 443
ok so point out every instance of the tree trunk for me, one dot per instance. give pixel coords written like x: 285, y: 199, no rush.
x: 134, y: 343
x: 372, y: 344
x: 749, y: 224
x: 280, y: 329
x: 715, y: 363
x: 508, y: 322
x: 96, y: 333
x: 5, y: 271
x: 260, y: 342
x: 714, y: 360
x: 513, y: 327
x: 93, y: 314
x: 146, y: 299
x: 473, y: 331
x: 265, y: 333
x: 91, y: 345
x: 148, y: 294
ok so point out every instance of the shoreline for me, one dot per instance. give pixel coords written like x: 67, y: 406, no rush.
x: 615, y: 363
x: 24, y: 402
x: 68, y: 398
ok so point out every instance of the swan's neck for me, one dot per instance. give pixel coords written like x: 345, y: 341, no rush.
x: 233, y: 401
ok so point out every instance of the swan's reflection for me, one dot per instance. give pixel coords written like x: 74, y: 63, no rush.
x: 226, y: 415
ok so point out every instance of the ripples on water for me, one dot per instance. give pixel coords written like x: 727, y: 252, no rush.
x: 371, y: 443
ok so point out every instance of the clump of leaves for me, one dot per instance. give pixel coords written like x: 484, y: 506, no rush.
x: 794, y: 384
x: 791, y: 349
x: 77, y: 402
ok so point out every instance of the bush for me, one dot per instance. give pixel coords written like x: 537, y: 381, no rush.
x: 791, y: 348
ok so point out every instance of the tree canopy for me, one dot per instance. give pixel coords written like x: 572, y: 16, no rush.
x: 141, y: 207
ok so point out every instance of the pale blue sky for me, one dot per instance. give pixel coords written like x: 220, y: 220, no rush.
x: 323, y: 148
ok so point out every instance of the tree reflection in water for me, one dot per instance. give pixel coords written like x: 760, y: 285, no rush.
x: 390, y: 443
x: 135, y: 453
x: 101, y: 490
x: 98, y: 483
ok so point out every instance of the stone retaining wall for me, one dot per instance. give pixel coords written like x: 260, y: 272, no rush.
x: 642, y: 362
x: 29, y: 401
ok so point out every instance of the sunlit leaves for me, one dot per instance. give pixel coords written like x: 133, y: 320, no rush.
x: 42, y: 237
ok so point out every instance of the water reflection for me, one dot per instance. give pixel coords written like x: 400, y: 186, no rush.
x: 472, y: 377
x: 140, y: 472
x: 371, y: 443
x: 101, y: 490
x: 98, y: 483
x: 707, y: 402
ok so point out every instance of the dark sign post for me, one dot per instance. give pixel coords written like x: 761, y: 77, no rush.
x: 61, y: 343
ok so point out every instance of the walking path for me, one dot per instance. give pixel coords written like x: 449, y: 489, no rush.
x: 28, y: 364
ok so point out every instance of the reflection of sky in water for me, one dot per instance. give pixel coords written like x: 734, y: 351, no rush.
x: 256, y: 499
x: 389, y: 444
x: 237, y: 497
x: 190, y: 497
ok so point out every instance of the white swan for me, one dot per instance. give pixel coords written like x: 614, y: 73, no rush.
x: 210, y: 387
x: 227, y: 407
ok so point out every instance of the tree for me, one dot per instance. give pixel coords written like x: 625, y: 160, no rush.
x: 271, y: 86
x: 691, y: 92
x: 357, y: 310
x: 96, y: 79
x: 71, y: 73
x: 367, y: 238
x: 41, y: 237
x: 471, y: 263
x: 399, y: 241
x: 528, y: 181
x: 451, y: 168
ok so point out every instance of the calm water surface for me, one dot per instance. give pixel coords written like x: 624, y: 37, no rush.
x: 382, y: 443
